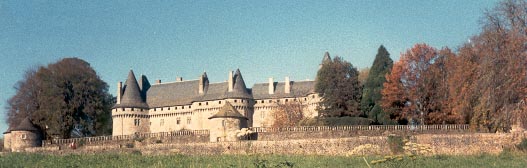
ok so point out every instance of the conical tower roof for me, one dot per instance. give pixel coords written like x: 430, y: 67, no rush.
x: 239, y: 89
x: 9, y: 129
x: 326, y: 57
x: 132, y: 94
x: 25, y: 125
x: 228, y: 111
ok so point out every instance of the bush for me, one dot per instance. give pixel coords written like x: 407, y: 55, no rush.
x: 396, y: 144
x: 522, y: 145
x: 2, y: 144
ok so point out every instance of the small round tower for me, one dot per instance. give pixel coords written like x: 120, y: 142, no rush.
x: 25, y: 135
x: 7, y: 140
x: 129, y: 115
x: 225, y: 124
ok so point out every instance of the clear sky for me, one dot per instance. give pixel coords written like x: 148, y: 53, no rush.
x: 163, y: 39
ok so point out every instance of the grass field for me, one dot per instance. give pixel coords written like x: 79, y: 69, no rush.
x: 138, y: 160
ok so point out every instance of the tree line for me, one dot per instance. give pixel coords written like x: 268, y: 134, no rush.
x: 483, y: 83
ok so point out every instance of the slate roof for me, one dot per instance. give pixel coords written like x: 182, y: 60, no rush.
x: 298, y: 89
x: 186, y: 92
x: 326, y: 57
x: 8, y: 130
x: 227, y: 111
x: 132, y: 96
x: 172, y: 94
x: 25, y: 125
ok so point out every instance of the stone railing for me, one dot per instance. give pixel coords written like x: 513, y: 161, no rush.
x: 363, y: 128
x: 99, y: 139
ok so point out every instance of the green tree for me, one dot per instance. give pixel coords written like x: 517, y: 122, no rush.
x: 62, y: 98
x: 339, y: 87
x: 371, y: 94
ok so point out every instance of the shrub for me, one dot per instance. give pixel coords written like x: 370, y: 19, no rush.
x: 522, y: 145
x: 396, y: 144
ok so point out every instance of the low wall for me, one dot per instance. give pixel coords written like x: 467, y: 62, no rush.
x: 461, y: 144
x: 269, y: 134
x: 448, y: 144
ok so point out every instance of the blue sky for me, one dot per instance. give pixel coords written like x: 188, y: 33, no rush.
x: 164, y: 39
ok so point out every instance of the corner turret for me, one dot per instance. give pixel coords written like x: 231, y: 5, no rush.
x: 131, y: 93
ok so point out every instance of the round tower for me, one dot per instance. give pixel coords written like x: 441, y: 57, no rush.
x: 239, y: 96
x: 130, y: 113
x: 225, y: 124
x: 25, y: 135
x: 7, y: 139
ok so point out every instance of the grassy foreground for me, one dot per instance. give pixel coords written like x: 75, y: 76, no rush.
x: 137, y: 160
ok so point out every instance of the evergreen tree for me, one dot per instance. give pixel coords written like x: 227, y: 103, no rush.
x: 339, y: 88
x: 371, y: 95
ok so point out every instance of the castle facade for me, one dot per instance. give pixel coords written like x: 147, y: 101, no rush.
x: 142, y: 107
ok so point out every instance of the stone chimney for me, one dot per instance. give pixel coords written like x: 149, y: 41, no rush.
x: 158, y: 81
x: 287, y: 85
x: 179, y: 79
x: 271, y: 86
x: 119, y: 92
x: 231, y: 82
x: 200, y: 87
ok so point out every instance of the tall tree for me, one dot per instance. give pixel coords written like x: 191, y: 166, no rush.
x: 413, y: 89
x: 491, y: 72
x: 371, y: 94
x: 339, y: 88
x: 63, y: 97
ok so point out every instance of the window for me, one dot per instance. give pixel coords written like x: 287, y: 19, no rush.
x: 305, y: 99
x: 189, y: 106
x: 262, y: 101
x: 141, y: 110
x: 313, y: 96
x: 155, y: 109
x: 286, y: 100
x: 122, y: 109
x: 206, y: 103
x: 161, y: 108
x: 270, y: 101
x: 182, y: 107
x: 132, y: 109
x: 235, y: 101
x: 223, y: 123
x: 175, y: 107
x: 137, y: 122
x: 169, y: 108
x: 188, y: 120
x: 23, y: 136
x: 199, y: 104
x: 178, y: 120
x: 162, y: 122
x: 219, y: 102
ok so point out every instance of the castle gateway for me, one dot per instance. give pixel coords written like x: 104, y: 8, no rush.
x: 189, y: 105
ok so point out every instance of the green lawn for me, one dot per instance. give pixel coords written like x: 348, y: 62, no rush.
x: 137, y: 160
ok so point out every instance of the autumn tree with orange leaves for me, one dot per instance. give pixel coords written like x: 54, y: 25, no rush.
x: 414, y: 90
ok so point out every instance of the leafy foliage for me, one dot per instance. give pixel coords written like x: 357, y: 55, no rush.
x: 339, y: 88
x: 63, y: 97
x: 371, y: 94
x: 287, y: 114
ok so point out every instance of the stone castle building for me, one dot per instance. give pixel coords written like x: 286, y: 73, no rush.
x: 197, y: 104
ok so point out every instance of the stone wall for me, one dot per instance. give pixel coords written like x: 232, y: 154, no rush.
x: 449, y: 144
x: 461, y: 144
x: 269, y: 134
